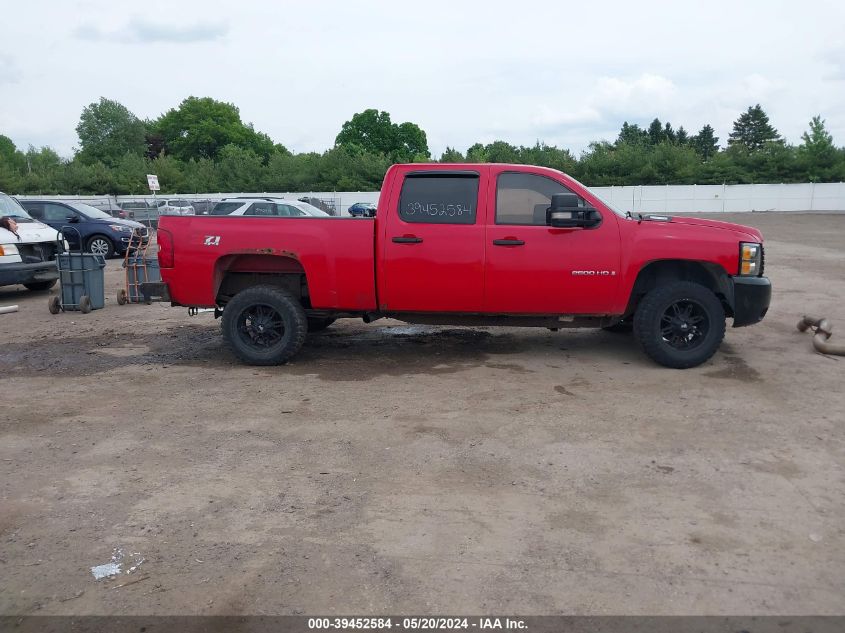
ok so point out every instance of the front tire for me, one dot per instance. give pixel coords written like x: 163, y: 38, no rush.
x: 264, y: 325
x: 40, y: 285
x: 680, y: 325
x: 100, y: 245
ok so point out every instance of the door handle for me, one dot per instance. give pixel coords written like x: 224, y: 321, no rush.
x: 407, y: 240
x: 508, y: 242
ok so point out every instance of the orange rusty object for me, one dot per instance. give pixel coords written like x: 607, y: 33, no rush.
x: 823, y: 331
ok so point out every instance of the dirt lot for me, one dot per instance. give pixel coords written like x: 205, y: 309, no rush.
x: 397, y: 469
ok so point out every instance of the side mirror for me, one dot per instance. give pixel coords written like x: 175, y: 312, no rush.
x: 73, y: 218
x: 564, y: 213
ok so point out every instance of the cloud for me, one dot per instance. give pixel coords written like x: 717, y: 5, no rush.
x: 637, y: 97
x: 548, y: 117
x: 597, y: 108
x: 836, y: 60
x: 9, y: 72
x: 141, y: 31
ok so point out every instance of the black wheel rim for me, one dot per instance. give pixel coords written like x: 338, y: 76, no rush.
x: 684, y: 324
x: 260, y: 326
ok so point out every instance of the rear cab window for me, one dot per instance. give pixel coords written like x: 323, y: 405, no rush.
x: 439, y: 198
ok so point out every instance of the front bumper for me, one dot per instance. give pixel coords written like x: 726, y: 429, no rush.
x: 752, y: 296
x: 13, y: 274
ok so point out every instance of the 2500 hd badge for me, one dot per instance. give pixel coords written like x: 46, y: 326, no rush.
x: 594, y: 273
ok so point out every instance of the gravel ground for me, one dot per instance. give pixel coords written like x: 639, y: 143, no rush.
x: 409, y: 469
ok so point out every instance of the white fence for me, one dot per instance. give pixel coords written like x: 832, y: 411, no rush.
x: 638, y: 199
x: 725, y: 198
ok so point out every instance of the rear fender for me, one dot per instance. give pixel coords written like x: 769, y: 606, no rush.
x: 234, y: 272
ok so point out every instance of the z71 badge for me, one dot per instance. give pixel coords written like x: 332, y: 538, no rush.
x: 212, y: 240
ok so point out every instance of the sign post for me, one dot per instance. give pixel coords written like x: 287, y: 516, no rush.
x: 152, y: 183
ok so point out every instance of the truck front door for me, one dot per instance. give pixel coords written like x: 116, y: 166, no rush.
x: 433, y: 243
x: 532, y: 268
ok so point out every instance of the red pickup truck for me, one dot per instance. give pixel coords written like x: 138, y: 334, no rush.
x: 469, y: 244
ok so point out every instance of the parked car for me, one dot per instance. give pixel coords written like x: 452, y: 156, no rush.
x: 203, y: 207
x: 99, y: 232
x: 175, y: 206
x: 471, y: 244
x: 272, y: 207
x: 141, y: 211
x: 363, y: 210
x: 28, y: 258
x: 324, y: 205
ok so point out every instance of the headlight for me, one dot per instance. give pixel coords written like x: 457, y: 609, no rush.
x: 119, y: 227
x: 750, y: 257
x: 8, y: 249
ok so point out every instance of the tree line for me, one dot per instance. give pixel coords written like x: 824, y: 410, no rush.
x: 203, y: 146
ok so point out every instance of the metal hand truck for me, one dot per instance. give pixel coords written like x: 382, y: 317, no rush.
x: 139, y: 269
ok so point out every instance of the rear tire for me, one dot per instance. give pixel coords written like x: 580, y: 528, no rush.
x: 680, y: 325
x: 318, y: 325
x: 40, y: 285
x: 264, y: 325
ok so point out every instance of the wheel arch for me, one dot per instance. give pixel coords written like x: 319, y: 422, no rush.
x: 238, y: 271
x: 662, y: 271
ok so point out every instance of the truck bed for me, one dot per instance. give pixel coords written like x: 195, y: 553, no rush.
x: 337, y: 253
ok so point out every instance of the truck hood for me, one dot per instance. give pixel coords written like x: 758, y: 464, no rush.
x: 31, y: 233
x: 754, y: 234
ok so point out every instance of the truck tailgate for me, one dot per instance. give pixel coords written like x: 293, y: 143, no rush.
x: 336, y: 255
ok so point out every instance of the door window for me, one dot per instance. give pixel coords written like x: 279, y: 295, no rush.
x: 524, y: 198
x: 36, y: 210
x: 288, y: 211
x: 439, y: 198
x: 56, y: 213
x: 261, y: 208
x: 225, y: 208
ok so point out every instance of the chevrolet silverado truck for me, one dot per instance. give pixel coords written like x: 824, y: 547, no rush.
x: 469, y: 244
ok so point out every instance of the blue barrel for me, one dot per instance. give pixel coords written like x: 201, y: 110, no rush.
x: 82, y: 274
x: 138, y: 274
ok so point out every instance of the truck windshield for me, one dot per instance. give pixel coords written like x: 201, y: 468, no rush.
x: 9, y: 207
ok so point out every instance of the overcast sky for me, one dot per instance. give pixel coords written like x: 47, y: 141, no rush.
x: 520, y: 71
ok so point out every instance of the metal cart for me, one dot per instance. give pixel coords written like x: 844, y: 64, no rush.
x: 81, y: 277
x: 140, y: 269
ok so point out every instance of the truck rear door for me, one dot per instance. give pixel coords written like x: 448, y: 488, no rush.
x: 533, y: 268
x: 433, y: 242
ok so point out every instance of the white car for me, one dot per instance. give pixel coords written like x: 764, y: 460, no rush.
x: 267, y: 207
x: 175, y: 206
x: 30, y: 257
